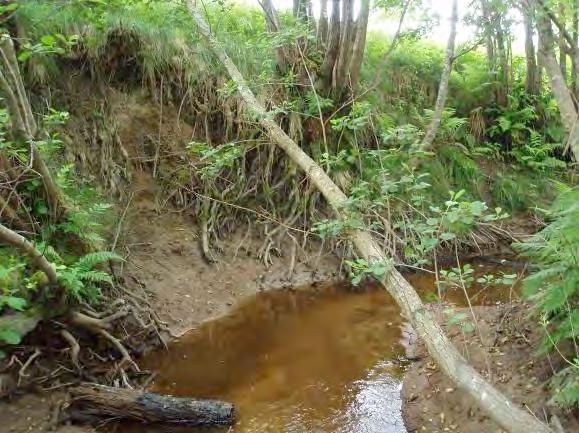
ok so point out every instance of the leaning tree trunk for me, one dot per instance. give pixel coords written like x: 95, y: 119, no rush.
x: 502, y: 410
x: 563, y: 95
x: 571, y: 46
x: 443, y: 87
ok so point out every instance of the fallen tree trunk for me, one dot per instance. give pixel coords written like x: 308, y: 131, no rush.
x: 97, y: 401
x: 510, y: 416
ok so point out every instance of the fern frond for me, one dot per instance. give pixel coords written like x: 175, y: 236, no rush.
x: 89, y: 261
x: 96, y: 277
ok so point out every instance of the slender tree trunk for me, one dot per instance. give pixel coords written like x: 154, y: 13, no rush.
x: 359, y: 43
x: 569, y: 114
x: 340, y: 84
x: 503, y: 88
x: 575, y: 56
x: 489, y: 26
x: 532, y: 84
x: 323, y: 24
x: 333, y: 49
x: 443, y: 86
x: 562, y: 44
x: 510, y: 416
x: 273, y: 27
x: 23, y: 120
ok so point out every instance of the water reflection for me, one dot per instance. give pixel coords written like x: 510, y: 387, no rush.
x: 306, y: 361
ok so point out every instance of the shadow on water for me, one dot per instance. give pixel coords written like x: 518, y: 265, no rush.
x: 321, y: 359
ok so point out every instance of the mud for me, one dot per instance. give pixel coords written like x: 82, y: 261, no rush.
x: 504, y: 350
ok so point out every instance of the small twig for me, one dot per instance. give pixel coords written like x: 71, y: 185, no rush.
x: 119, y: 225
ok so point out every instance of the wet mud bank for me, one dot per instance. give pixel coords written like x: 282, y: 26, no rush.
x: 503, y: 348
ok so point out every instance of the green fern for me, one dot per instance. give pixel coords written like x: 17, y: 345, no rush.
x: 89, y: 261
x: 554, y: 289
x: 81, y: 281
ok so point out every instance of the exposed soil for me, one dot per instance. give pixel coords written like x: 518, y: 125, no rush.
x: 509, y: 340
x: 165, y: 258
x: 34, y: 413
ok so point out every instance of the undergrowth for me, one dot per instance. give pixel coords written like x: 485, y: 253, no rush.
x: 553, y: 287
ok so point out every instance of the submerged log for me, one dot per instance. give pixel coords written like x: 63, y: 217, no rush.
x: 90, y: 402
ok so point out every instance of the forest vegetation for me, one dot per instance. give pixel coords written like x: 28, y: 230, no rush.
x: 305, y: 125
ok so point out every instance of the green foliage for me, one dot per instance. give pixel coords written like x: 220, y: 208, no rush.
x: 361, y: 269
x: 80, y: 279
x: 159, y: 34
x: 554, y: 289
x: 458, y: 319
x: 214, y: 160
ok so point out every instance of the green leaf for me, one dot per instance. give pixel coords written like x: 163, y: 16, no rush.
x: 10, y: 337
x: 447, y: 236
x: 457, y: 318
x: 13, y: 302
x: 48, y: 40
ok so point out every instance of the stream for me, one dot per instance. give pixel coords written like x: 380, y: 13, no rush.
x: 317, y: 359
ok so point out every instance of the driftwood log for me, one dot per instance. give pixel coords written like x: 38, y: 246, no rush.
x: 90, y: 402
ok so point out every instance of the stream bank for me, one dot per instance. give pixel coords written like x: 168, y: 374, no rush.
x: 165, y: 260
x: 504, y: 350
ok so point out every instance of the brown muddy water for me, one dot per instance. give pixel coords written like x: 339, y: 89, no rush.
x: 319, y: 359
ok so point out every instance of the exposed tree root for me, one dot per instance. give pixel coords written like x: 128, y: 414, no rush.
x: 22, y: 372
x: 101, y: 327
x: 205, y: 243
x: 74, y: 347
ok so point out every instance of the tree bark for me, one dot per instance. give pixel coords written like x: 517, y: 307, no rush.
x: 562, y: 43
x: 563, y: 96
x: 327, y: 68
x: 340, y: 84
x: 359, y: 43
x: 503, y: 84
x: 571, y: 46
x: 92, y: 401
x: 323, y: 24
x: 532, y: 84
x: 575, y: 58
x: 444, y: 79
x: 510, y: 416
